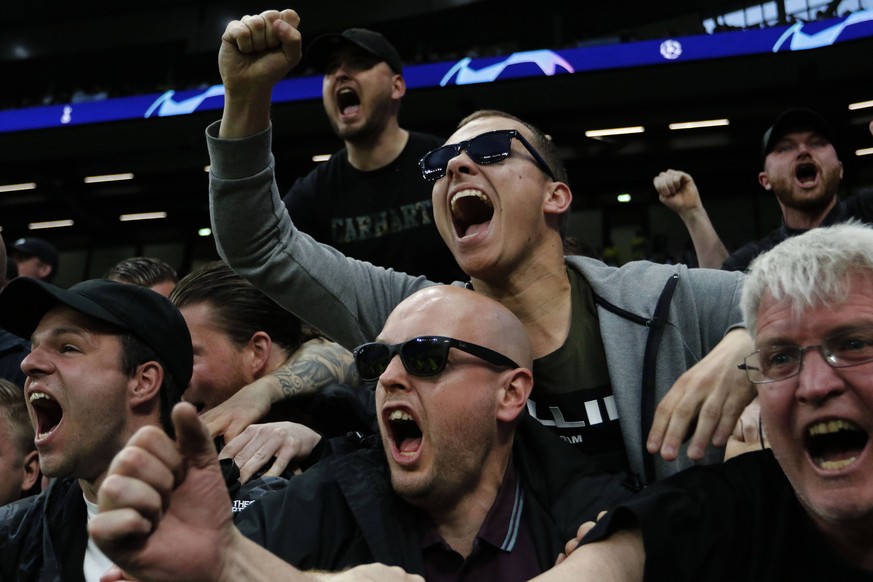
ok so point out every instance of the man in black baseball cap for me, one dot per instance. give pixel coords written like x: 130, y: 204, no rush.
x: 354, y: 202
x: 801, y: 169
x: 35, y: 257
x: 107, y: 359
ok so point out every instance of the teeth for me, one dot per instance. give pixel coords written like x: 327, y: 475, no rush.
x: 834, y: 465
x: 399, y: 415
x: 40, y: 395
x: 830, y: 427
x: 468, y: 193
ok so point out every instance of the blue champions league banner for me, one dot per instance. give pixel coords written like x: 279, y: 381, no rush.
x: 470, y: 71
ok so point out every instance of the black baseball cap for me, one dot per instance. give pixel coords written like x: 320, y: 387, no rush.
x: 146, y: 314
x: 39, y: 248
x: 795, y: 120
x: 372, y: 42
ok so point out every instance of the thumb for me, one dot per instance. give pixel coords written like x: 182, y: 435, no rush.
x: 192, y: 436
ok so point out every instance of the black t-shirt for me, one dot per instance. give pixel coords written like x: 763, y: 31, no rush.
x: 572, y: 392
x: 384, y: 216
x: 735, y: 521
x: 859, y: 207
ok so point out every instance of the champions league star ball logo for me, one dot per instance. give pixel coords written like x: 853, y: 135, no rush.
x: 671, y: 49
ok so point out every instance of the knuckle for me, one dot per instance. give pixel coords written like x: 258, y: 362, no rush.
x: 127, y: 460
x: 710, y: 413
x: 684, y: 410
x: 112, y: 487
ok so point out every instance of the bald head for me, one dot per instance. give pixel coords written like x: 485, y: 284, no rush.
x: 462, y: 314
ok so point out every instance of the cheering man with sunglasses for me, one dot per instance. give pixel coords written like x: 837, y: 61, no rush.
x: 608, y: 343
x: 463, y: 484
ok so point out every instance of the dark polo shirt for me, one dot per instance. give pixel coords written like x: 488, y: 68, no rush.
x: 503, y: 549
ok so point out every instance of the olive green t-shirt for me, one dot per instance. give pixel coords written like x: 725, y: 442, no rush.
x: 572, y: 392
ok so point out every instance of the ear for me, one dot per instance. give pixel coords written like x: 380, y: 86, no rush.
x: 841, y: 169
x: 764, y: 181
x: 558, y: 199
x: 146, y: 383
x: 258, y: 352
x: 44, y: 269
x: 512, y: 398
x: 31, y: 471
x: 399, y: 87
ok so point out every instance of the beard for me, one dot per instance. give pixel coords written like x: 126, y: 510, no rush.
x: 812, y: 205
x: 812, y: 202
x: 374, y: 124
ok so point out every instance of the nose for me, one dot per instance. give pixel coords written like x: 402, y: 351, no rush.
x: 395, y: 376
x: 340, y: 72
x: 818, y: 381
x: 461, y: 164
x: 802, y: 148
x: 35, y: 363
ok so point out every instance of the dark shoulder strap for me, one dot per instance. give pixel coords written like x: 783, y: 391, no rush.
x: 656, y: 324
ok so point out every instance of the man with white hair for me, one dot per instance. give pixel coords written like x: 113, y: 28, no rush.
x: 803, y: 511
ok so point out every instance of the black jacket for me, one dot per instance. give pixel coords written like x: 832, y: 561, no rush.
x: 342, y: 512
x: 43, y: 538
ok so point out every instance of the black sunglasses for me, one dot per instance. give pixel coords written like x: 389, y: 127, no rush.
x: 486, y: 148
x: 421, y: 356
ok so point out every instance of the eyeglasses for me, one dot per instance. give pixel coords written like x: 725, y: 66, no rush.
x: 486, y: 148
x: 421, y: 356
x: 843, y: 350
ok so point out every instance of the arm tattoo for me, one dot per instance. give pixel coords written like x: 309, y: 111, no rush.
x: 314, y: 366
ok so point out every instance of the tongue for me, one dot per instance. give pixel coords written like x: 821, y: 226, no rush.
x: 351, y: 110
x: 474, y: 229
x: 410, y: 445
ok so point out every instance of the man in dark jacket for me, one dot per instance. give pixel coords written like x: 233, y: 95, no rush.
x: 107, y: 359
x: 465, y: 484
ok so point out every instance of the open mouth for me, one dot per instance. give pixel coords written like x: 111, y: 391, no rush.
x: 835, y: 444
x: 471, y: 212
x: 348, y: 101
x: 806, y: 174
x: 405, y: 433
x: 48, y: 413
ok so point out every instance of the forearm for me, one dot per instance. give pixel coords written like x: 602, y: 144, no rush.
x: 710, y: 251
x: 620, y: 558
x: 246, y: 560
x: 347, y: 300
x: 318, y: 363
